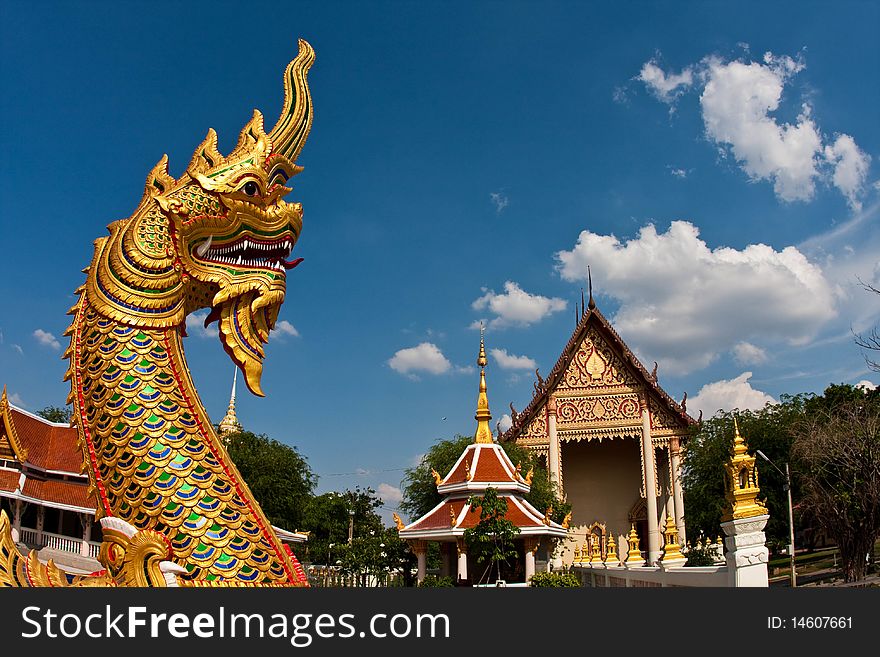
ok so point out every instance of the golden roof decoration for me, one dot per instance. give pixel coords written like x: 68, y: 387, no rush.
x: 741, y: 482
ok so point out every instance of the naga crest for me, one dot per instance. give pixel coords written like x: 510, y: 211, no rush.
x: 219, y: 237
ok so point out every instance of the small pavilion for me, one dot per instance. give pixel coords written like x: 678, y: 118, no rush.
x: 483, y: 464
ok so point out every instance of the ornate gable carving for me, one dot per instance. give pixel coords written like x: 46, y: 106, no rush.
x: 663, y: 422
x: 595, y: 365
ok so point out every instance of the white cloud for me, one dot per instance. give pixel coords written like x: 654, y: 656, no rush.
x: 285, y: 328
x: 18, y: 348
x: 850, y: 165
x: 666, y: 87
x: 390, y: 494
x: 195, y: 325
x: 499, y: 200
x: 864, y: 384
x: 738, y: 101
x: 516, y: 306
x: 16, y: 399
x: 508, y: 361
x: 728, y: 395
x: 678, y: 172
x: 47, y: 339
x: 425, y: 357
x: 504, y: 423
x: 746, y: 353
x: 682, y: 303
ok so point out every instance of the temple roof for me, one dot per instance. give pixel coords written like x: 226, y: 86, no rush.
x: 42, y: 444
x: 592, y: 319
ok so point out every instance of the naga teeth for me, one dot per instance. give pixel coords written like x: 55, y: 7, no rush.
x: 202, y: 249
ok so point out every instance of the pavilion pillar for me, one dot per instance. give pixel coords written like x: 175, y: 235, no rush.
x: 677, y: 494
x: 531, y: 546
x: 16, y: 521
x: 553, y: 456
x: 87, y: 535
x: 462, y: 572
x: 41, y: 517
x: 650, y: 483
x: 421, y: 550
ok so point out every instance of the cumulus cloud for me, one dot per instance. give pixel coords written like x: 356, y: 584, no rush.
x: 499, y: 200
x: 195, y: 325
x: 864, y: 384
x: 682, y: 303
x: 727, y: 395
x: 508, y: 361
x: 47, y: 339
x: 746, y: 353
x: 850, y: 166
x: 738, y: 101
x: 504, y: 423
x: 285, y: 328
x: 389, y: 494
x: 425, y: 357
x: 516, y: 307
x: 665, y: 86
x: 16, y: 399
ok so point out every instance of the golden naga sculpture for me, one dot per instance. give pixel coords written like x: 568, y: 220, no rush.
x: 173, y: 508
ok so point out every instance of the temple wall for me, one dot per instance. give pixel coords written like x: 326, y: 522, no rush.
x: 602, y: 481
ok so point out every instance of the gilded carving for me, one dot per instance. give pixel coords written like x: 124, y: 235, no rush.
x: 595, y: 365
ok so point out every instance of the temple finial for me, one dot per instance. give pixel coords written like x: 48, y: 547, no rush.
x: 592, y: 304
x: 583, y: 305
x: 484, y: 432
x: 229, y: 424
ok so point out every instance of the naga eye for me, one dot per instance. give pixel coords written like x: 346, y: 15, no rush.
x: 250, y: 188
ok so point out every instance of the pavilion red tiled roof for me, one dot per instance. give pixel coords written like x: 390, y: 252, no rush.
x: 9, y: 480
x: 60, y: 492
x: 49, y: 446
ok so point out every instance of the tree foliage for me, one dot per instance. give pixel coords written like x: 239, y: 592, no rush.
x: 420, y: 490
x: 56, y: 414
x: 837, y: 452
x: 278, y: 476
x: 491, y: 539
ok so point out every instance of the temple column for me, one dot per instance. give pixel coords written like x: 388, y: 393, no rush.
x: 41, y: 517
x: 553, y: 448
x: 462, y: 560
x: 16, y: 521
x: 87, y: 535
x: 650, y: 484
x: 531, y: 546
x: 677, y: 494
x: 421, y: 550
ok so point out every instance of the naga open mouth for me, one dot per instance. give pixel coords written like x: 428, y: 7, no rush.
x: 248, y: 252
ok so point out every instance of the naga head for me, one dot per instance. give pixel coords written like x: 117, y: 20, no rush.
x: 219, y: 237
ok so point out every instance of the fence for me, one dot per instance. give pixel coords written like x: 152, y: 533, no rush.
x: 69, y: 544
x: 335, y: 577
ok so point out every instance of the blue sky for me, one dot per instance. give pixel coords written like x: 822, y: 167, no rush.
x: 714, y: 163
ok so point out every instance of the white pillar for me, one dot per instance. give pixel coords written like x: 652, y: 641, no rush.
x: 16, y: 522
x: 87, y: 535
x: 553, y: 448
x: 462, y: 560
x: 677, y: 494
x: 650, y: 484
x: 421, y: 550
x: 531, y: 546
x: 747, y: 552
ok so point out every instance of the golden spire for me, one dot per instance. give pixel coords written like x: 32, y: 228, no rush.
x: 741, y: 481
x: 484, y: 433
x: 229, y: 424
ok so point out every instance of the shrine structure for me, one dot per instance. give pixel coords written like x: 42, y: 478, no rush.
x: 610, y: 436
x: 483, y: 465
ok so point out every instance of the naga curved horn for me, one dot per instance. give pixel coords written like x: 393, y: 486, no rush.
x: 289, y: 134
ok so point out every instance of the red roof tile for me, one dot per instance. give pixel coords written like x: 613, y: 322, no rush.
x: 48, y: 446
x: 490, y: 468
x: 9, y: 480
x: 60, y: 492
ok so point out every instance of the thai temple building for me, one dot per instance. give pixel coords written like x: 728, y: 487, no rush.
x: 43, y: 490
x: 483, y: 464
x: 610, y: 436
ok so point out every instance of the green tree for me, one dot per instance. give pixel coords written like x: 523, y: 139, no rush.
x: 420, y: 490
x: 491, y: 539
x: 56, y: 414
x: 278, y: 476
x: 329, y: 517
x: 837, y: 451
